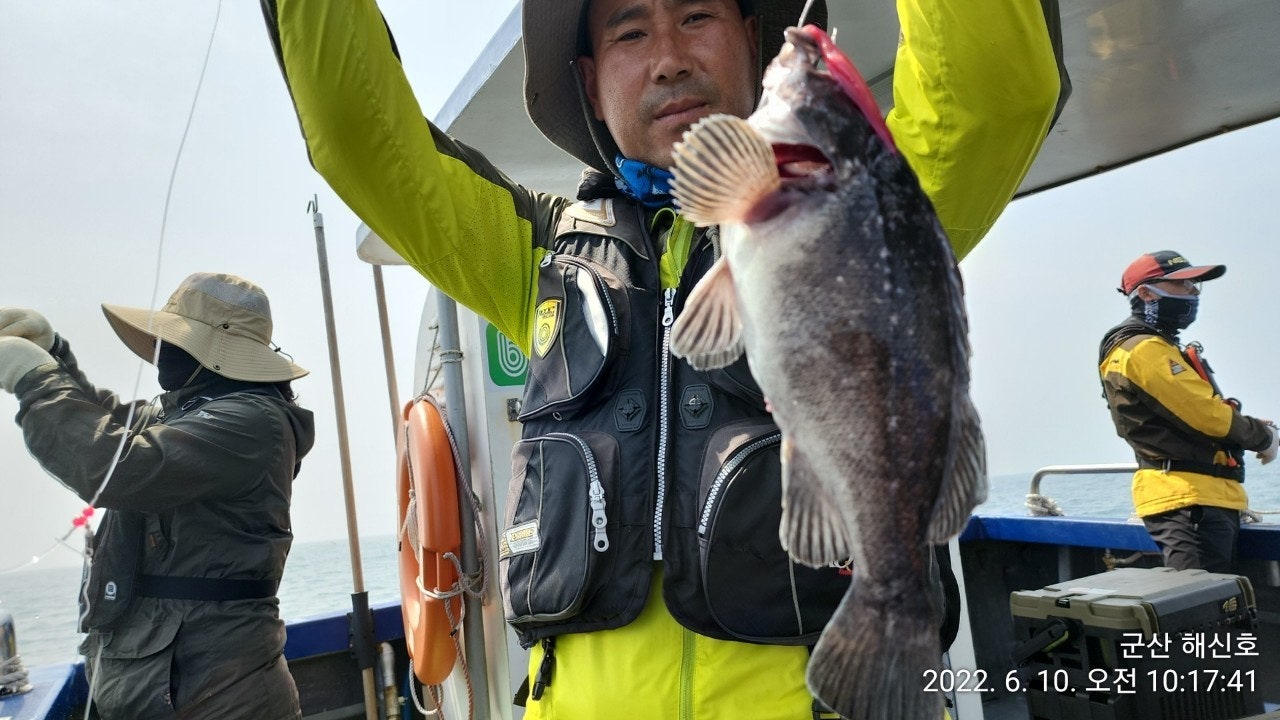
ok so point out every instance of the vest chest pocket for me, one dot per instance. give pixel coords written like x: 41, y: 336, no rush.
x: 754, y: 590
x: 110, y: 579
x: 562, y: 515
x: 581, y: 326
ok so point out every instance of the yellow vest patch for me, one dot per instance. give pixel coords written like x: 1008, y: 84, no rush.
x: 546, y: 325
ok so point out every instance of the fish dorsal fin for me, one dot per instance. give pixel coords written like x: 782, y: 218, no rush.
x: 722, y: 167
x: 708, y: 332
x: 964, y: 481
x: 812, y: 530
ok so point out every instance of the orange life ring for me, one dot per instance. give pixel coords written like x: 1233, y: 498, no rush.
x: 426, y: 467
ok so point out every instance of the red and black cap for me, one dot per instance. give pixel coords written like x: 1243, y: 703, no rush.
x: 1165, y: 265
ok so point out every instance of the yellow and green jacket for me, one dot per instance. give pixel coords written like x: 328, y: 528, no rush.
x: 1187, y: 440
x: 976, y: 84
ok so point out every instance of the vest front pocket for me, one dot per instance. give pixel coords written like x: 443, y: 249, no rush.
x: 562, y: 516
x: 581, y: 326
x: 109, y: 579
x: 754, y: 590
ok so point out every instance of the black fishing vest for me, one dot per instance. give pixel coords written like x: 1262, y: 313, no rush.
x: 112, y: 578
x: 628, y: 456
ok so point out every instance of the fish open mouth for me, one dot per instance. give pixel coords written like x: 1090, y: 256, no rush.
x: 830, y: 61
x: 800, y: 161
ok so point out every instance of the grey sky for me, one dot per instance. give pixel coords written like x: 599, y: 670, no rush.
x: 94, y: 100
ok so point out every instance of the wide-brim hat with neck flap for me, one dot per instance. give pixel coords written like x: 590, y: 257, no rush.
x: 223, y: 321
x: 554, y: 38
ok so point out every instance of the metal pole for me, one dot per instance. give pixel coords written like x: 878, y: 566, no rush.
x: 388, y: 360
x: 456, y: 407
x: 344, y: 453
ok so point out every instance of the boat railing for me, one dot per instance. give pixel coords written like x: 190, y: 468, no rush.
x: 1041, y: 505
x: 1103, y: 469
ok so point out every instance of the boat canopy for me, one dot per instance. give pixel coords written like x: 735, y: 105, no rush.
x: 1148, y: 76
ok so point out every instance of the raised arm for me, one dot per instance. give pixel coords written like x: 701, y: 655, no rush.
x: 975, y: 87
x: 441, y: 205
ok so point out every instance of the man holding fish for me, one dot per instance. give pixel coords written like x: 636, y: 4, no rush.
x: 640, y: 554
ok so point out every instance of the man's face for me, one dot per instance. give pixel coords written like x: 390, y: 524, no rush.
x: 661, y: 65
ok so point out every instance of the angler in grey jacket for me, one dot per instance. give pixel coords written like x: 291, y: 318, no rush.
x: 179, y: 598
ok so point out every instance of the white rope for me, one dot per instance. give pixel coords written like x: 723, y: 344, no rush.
x: 1252, y: 516
x: 454, y: 624
x: 13, y: 677
x: 437, y: 711
x: 1043, y: 506
x: 464, y: 488
x: 433, y: 367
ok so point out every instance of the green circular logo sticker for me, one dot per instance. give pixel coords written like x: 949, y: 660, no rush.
x: 507, y: 365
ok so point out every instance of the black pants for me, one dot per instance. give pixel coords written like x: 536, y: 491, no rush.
x: 1197, y: 537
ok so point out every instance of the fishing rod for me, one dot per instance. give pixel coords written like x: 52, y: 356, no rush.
x: 361, y: 619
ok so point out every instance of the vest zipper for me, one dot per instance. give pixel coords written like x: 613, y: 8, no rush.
x: 602, y: 288
x: 664, y: 392
x: 600, y: 541
x: 729, y: 467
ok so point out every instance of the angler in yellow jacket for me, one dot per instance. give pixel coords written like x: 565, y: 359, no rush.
x: 640, y: 589
x: 1189, y: 440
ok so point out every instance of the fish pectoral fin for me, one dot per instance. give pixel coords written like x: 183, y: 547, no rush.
x: 964, y: 483
x: 812, y: 530
x: 708, y: 332
x: 722, y: 167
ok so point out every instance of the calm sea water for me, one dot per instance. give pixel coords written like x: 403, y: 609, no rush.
x: 317, y: 579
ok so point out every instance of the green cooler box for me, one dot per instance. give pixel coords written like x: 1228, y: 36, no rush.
x: 1138, y: 644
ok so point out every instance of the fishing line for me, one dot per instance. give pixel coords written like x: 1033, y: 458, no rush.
x: 804, y: 13
x: 155, y: 293
x: 129, y: 430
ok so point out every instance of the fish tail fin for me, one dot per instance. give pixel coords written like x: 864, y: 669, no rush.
x: 964, y: 484
x: 722, y: 166
x: 871, y: 659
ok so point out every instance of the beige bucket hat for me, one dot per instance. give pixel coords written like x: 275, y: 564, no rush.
x: 223, y: 321
x: 551, y: 77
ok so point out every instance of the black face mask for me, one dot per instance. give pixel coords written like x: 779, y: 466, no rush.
x: 177, y: 368
x: 1167, y: 312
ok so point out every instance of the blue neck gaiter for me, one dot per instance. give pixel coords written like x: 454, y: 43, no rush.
x: 644, y: 183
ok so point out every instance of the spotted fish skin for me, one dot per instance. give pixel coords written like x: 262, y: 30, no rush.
x: 840, y: 285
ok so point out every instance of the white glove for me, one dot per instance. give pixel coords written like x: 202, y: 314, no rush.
x: 19, y: 356
x: 1269, y: 454
x: 26, y: 323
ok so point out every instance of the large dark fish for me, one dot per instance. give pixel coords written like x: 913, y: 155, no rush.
x: 838, y: 281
